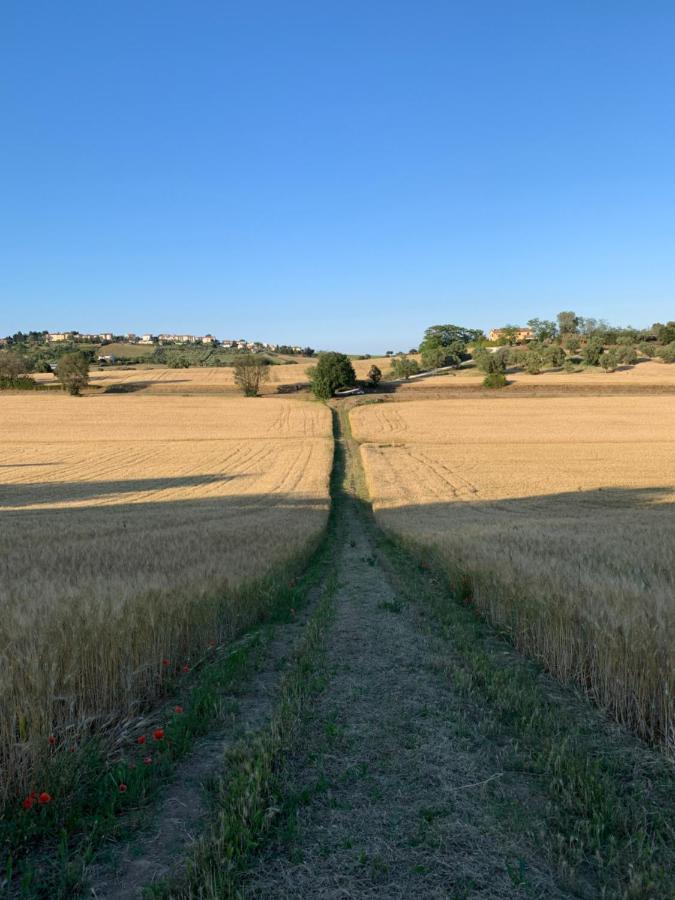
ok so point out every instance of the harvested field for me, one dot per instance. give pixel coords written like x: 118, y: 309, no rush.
x: 130, y: 530
x: 555, y: 517
x: 647, y: 373
x: 205, y: 379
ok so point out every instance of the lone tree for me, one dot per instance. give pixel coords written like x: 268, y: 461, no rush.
x: 332, y: 371
x: 250, y: 373
x: 375, y: 375
x: 404, y: 367
x: 73, y: 372
x: 445, y: 345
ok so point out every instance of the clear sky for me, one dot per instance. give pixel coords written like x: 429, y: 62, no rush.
x: 340, y: 174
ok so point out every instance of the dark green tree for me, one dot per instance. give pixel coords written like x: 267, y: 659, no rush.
x: 593, y: 351
x: 332, y: 371
x: 375, y: 375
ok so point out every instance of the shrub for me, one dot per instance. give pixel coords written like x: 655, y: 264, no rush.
x: 73, y: 372
x: 250, y: 373
x: 627, y: 355
x: 495, y: 380
x: 20, y: 383
x: 647, y: 348
x: 333, y: 371
x: 568, y: 366
x: 532, y: 363
x: 667, y: 353
x: 374, y: 375
x: 609, y: 360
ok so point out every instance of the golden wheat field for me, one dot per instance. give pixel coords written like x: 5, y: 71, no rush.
x: 129, y: 529
x: 556, y: 517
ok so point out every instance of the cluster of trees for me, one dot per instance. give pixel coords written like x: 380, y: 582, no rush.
x: 446, y: 345
x: 72, y: 371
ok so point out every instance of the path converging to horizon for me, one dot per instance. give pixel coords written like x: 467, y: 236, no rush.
x: 378, y: 750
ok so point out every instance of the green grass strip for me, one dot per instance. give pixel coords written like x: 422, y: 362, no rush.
x: 247, y: 797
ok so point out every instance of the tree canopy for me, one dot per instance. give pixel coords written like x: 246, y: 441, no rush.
x: 73, y: 372
x: 332, y: 371
x: 250, y: 372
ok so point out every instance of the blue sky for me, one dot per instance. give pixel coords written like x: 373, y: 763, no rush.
x: 336, y: 174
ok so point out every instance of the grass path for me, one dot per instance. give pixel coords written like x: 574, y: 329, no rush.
x: 394, y: 792
x: 438, y: 762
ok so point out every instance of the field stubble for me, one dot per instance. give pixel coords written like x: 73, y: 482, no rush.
x: 555, y: 517
x: 134, y: 530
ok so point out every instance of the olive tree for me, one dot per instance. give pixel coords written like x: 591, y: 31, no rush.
x: 404, y: 367
x: 72, y: 371
x: 491, y: 363
x: 593, y: 351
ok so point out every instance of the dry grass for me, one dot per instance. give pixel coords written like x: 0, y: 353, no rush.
x: 556, y: 517
x: 129, y: 528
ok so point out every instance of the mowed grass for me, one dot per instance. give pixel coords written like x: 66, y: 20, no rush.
x: 133, y: 531
x: 555, y: 517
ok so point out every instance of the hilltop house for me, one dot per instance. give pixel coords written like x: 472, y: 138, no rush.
x: 522, y: 334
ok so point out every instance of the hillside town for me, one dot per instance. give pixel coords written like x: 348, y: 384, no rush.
x: 150, y: 340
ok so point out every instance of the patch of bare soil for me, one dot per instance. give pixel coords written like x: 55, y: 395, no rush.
x: 178, y: 818
x: 397, y: 792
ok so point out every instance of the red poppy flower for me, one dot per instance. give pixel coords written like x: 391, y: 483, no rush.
x: 141, y: 739
x: 44, y: 798
x: 148, y: 760
x: 51, y: 740
x: 186, y: 669
x: 158, y: 734
x: 28, y: 802
x: 123, y: 789
x: 166, y: 663
x: 178, y: 709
